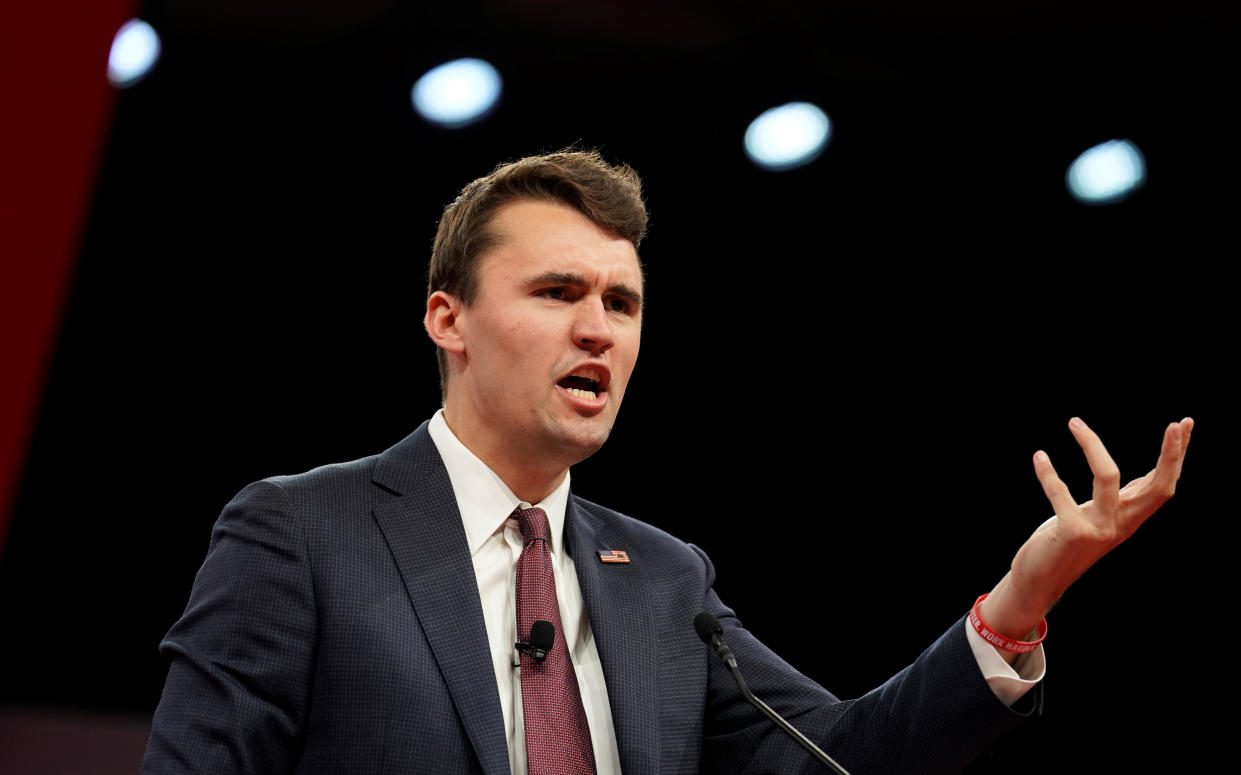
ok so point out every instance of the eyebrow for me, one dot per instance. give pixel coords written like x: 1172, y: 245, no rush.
x: 572, y: 278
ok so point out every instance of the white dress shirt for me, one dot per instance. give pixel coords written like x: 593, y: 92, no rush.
x: 495, y: 544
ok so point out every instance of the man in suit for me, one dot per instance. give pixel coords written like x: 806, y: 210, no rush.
x: 361, y: 617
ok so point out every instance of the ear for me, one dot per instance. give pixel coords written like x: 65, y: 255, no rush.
x: 441, y: 322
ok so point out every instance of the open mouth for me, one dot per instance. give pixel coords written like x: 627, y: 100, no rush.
x: 585, y: 383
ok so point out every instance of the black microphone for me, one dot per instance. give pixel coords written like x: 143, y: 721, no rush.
x: 712, y: 633
x: 542, y: 636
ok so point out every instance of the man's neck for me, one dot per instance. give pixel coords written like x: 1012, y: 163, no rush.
x: 530, y: 483
x: 529, y: 488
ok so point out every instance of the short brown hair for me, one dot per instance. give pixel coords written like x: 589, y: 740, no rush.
x: 610, y: 196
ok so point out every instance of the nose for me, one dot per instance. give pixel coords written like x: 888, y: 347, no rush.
x: 591, y: 330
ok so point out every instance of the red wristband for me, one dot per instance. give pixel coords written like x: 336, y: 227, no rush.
x: 1002, y: 641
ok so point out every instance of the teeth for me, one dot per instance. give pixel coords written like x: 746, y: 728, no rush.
x: 590, y: 374
x: 590, y: 394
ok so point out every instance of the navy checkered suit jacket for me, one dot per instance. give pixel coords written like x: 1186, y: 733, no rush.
x: 335, y: 627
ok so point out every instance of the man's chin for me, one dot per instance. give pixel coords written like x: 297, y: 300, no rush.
x: 577, y: 444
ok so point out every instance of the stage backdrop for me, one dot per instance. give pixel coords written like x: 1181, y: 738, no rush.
x: 867, y: 349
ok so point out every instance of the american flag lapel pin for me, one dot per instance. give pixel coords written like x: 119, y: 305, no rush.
x: 613, y: 555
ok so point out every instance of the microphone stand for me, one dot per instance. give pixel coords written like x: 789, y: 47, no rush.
x: 710, y: 630
x: 779, y: 721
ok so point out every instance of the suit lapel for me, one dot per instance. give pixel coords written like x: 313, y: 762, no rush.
x: 424, y: 532
x: 617, y: 601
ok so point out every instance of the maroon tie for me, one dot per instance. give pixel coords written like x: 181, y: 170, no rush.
x: 557, y: 737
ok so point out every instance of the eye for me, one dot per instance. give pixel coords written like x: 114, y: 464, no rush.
x: 555, y: 294
x: 617, y: 304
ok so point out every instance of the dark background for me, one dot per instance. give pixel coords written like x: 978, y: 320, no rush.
x: 846, y: 367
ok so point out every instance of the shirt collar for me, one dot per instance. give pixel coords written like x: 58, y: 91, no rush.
x: 484, y: 500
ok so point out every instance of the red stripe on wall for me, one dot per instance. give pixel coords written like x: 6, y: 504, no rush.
x: 55, y: 105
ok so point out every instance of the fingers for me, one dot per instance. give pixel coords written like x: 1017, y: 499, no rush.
x: 1056, y: 491
x: 1187, y: 427
x: 1106, y: 491
x: 1142, y: 482
x: 1168, y: 470
x: 1141, y: 497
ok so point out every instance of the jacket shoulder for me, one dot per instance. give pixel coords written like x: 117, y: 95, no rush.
x: 353, y: 474
x: 358, y: 483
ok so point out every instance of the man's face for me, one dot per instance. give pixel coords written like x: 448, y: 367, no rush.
x: 550, y: 339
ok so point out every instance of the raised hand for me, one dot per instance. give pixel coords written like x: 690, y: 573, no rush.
x: 1065, y: 546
